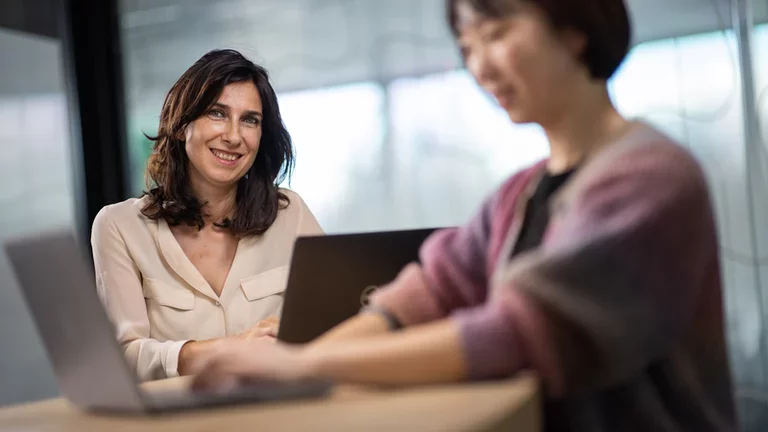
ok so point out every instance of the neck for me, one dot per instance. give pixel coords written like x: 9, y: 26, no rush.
x: 219, y: 202
x: 587, y: 124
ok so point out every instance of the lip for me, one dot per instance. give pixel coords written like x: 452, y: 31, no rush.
x: 224, y: 161
x: 505, y: 99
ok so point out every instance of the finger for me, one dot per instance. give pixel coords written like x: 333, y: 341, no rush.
x: 209, y: 380
x: 271, y: 330
x: 261, y: 329
x: 273, y: 319
x: 221, y: 383
x: 199, y: 363
x: 207, y: 374
x: 252, y: 334
x: 221, y: 374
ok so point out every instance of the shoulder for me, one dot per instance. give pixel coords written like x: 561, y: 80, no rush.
x: 292, y: 196
x: 295, y: 204
x: 292, y: 212
x: 120, y: 215
x: 644, y: 170
x: 655, y: 148
x: 648, y: 156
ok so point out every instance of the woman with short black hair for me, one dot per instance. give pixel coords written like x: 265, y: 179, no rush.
x: 598, y: 267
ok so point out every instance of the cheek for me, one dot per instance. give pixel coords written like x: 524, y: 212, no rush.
x: 517, y: 59
x: 189, y: 136
x: 253, y: 140
x: 195, y: 147
x: 198, y: 134
x: 190, y: 141
x: 540, y: 69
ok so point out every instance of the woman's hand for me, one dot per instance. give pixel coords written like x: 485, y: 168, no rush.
x: 264, y: 329
x: 192, y: 351
x: 235, y: 362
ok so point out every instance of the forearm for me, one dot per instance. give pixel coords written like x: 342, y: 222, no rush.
x: 362, y: 325
x: 430, y: 353
x: 190, y: 352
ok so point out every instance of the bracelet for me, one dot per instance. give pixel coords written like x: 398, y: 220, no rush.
x: 392, y: 322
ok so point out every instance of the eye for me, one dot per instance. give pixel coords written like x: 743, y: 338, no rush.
x: 494, y: 32
x: 251, y: 120
x: 216, y: 113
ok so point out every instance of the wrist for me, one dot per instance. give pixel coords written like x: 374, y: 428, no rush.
x: 187, y: 354
x: 392, y: 322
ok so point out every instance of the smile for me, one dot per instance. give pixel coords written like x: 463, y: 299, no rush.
x: 504, y: 99
x: 226, y: 156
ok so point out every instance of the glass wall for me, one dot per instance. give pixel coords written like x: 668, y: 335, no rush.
x: 391, y: 133
x: 753, y: 390
x: 37, y: 194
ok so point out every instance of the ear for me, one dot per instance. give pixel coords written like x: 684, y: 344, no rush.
x: 575, y: 41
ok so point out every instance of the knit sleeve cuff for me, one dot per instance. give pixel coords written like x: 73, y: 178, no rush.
x: 490, y: 340
x: 408, y: 298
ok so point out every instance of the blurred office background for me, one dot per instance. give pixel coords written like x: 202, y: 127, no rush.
x: 390, y: 132
x: 36, y: 173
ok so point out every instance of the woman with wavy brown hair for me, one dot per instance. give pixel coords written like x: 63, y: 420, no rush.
x: 203, y: 255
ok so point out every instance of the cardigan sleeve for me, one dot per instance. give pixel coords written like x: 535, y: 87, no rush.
x: 454, y: 269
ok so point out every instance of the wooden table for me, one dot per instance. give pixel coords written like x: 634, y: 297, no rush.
x: 511, y: 405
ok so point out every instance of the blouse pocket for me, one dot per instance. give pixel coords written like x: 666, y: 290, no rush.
x: 168, y: 295
x: 265, y: 284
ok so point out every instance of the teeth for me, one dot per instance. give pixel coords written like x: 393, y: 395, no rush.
x: 225, y: 156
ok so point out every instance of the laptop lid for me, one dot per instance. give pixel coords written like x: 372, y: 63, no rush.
x: 59, y: 290
x: 332, y: 276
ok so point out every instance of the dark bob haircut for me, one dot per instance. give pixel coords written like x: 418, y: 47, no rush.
x: 258, y: 198
x: 605, y: 23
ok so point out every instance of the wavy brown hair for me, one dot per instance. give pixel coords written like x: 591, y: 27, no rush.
x: 258, y: 198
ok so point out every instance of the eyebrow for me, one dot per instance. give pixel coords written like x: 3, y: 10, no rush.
x: 249, y: 112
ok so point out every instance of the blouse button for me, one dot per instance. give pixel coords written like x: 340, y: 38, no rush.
x: 218, y: 303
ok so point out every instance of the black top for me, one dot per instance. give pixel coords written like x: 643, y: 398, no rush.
x: 537, y: 211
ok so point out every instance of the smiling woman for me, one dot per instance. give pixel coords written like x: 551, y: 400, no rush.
x: 203, y: 255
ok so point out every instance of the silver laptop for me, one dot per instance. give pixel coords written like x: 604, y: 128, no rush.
x: 59, y: 290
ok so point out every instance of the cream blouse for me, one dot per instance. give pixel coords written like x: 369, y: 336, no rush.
x: 158, y: 300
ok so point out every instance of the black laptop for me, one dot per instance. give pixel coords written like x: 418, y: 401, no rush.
x: 332, y: 276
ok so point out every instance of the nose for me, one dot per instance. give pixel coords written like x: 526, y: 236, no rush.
x: 479, y: 65
x: 232, y: 136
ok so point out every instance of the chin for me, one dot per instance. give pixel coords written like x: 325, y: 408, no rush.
x: 519, y: 118
x: 516, y: 114
x: 218, y: 180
